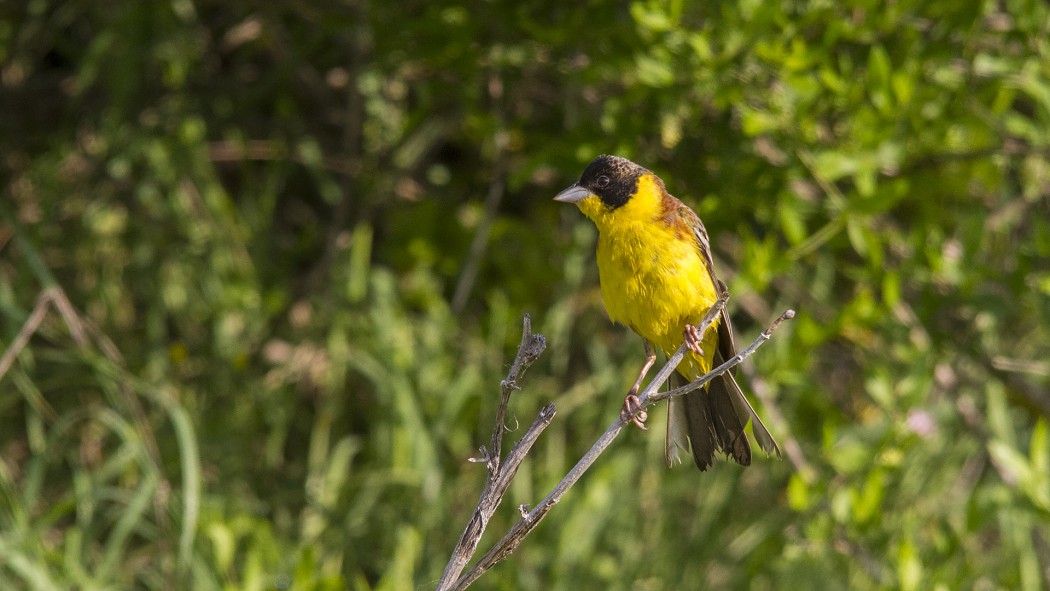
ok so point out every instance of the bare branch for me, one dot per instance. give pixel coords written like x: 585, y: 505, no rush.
x: 80, y: 327
x: 529, y: 350
x: 721, y: 369
x: 500, y: 473
x: 513, y: 538
x: 28, y: 330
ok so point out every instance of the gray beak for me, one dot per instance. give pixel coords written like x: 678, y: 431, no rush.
x: 573, y: 194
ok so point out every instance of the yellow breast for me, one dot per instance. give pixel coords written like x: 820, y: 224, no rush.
x: 653, y: 278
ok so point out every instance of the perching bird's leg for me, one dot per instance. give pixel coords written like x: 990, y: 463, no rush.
x: 631, y: 405
x: 693, y: 338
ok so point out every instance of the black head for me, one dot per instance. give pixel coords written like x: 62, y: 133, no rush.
x: 613, y: 179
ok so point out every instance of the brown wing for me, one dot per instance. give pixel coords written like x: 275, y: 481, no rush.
x: 688, y: 218
x: 727, y: 408
x: 683, y: 216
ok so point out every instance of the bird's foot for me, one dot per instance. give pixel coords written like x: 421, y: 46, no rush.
x: 692, y: 339
x: 633, y: 412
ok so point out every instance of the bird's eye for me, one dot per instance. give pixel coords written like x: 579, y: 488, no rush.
x: 602, y: 182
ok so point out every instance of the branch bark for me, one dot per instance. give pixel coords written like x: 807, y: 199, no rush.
x: 500, y: 472
x: 531, y: 518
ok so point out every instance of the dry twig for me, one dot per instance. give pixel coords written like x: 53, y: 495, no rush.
x: 499, y: 477
x: 500, y: 472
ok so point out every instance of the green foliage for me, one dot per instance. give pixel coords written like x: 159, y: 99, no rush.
x: 298, y: 241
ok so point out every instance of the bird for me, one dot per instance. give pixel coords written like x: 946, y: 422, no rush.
x: 657, y: 278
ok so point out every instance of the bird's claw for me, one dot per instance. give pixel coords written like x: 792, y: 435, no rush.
x: 692, y: 339
x: 632, y: 412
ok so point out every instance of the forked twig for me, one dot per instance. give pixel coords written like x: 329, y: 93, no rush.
x: 500, y: 472
x: 32, y: 323
x: 721, y: 369
x: 79, y: 328
x: 531, y: 518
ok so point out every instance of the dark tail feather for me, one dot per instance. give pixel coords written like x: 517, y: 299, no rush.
x: 701, y: 429
x: 713, y: 425
x: 744, y: 410
x: 728, y: 426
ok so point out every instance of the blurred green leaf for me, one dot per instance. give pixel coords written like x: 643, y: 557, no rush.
x: 910, y: 569
x: 259, y: 215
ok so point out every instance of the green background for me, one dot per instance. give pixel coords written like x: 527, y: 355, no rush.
x: 298, y: 240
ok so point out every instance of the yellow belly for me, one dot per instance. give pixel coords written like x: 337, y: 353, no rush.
x: 656, y: 284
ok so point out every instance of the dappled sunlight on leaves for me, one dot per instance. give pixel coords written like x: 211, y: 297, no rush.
x: 261, y: 217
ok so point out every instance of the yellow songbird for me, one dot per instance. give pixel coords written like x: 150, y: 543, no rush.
x: 657, y: 277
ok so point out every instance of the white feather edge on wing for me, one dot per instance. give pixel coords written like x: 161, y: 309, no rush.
x: 744, y: 410
x: 677, y: 433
